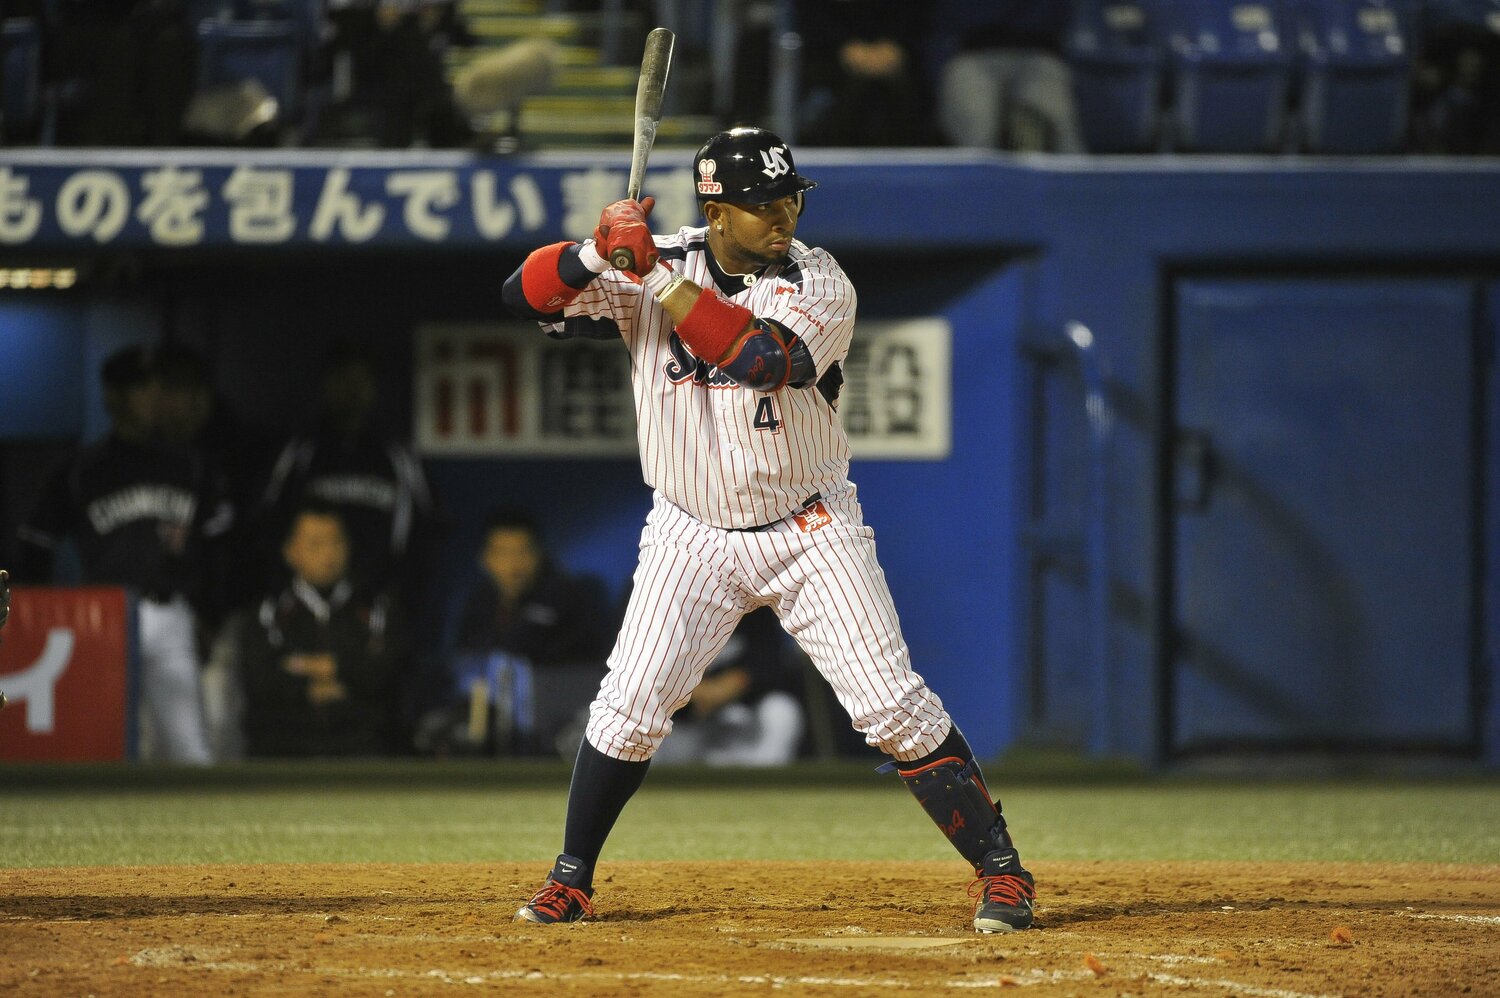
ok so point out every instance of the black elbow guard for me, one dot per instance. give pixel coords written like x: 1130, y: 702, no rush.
x: 770, y: 356
x: 766, y: 358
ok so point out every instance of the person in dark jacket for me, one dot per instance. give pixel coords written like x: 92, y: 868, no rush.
x: 350, y: 461
x: 319, y: 659
x: 138, y: 514
x: 525, y: 605
x: 525, y: 649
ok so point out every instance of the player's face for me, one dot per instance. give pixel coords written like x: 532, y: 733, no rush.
x: 512, y: 559
x: 317, y: 550
x: 183, y: 409
x: 349, y: 394
x: 136, y: 410
x: 755, y: 236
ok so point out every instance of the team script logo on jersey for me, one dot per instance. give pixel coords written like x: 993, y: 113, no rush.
x: 706, y: 182
x: 356, y: 490
x: 685, y: 367
x: 776, y: 164
x: 166, y: 503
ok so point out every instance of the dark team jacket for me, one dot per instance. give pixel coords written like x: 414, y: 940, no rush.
x: 561, y: 620
x: 138, y: 513
x: 354, y: 627
x: 377, y: 486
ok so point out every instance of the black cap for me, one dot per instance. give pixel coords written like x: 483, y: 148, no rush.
x: 127, y: 367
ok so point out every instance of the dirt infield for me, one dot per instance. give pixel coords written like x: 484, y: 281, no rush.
x: 1271, y: 930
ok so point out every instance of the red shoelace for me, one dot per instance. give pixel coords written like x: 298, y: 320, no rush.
x: 1006, y: 889
x: 553, y: 899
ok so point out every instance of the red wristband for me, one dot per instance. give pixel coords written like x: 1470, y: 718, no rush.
x: 543, y: 287
x: 712, y: 325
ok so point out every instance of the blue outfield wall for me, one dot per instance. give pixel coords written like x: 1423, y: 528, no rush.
x: 1002, y: 246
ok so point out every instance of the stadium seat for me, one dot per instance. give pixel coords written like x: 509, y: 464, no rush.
x: 198, y: 11
x: 1230, y: 72
x: 20, y: 76
x: 230, y: 52
x: 306, y: 16
x: 1481, y: 14
x: 1116, y: 64
x: 1456, y: 109
x: 1355, y: 59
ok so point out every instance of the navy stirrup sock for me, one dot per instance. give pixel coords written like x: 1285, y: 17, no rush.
x: 601, y: 786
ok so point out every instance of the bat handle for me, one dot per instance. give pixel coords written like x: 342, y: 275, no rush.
x: 622, y: 258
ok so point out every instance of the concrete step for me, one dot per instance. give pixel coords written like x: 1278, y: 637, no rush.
x: 581, y: 106
x: 517, y: 8
x: 608, y: 130
x: 572, y: 57
x: 545, y: 129
x: 508, y: 27
x: 598, y: 79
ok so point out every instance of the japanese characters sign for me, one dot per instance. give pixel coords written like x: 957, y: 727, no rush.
x: 128, y: 200
x: 67, y: 666
x: 506, y: 389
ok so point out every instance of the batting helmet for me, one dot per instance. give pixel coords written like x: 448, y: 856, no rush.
x: 747, y: 166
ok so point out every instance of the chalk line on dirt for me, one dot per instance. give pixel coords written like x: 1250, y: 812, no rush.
x: 1471, y: 919
x: 187, y: 958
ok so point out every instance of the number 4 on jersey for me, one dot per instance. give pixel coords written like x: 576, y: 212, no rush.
x: 765, y: 414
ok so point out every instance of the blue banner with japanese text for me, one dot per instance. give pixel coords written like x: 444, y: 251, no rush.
x: 184, y: 199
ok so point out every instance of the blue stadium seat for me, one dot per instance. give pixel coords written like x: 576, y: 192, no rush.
x: 1116, y: 61
x: 306, y: 16
x: 1481, y: 14
x: 1355, y: 58
x: 198, y: 11
x: 1231, y: 73
x: 20, y: 75
x: 232, y: 51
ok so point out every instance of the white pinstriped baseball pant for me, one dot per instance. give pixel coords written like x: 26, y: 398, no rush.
x: 694, y: 583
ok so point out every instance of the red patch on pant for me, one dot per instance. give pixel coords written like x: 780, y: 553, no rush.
x: 814, y: 517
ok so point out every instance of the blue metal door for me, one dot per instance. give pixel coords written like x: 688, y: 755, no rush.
x: 1323, y: 529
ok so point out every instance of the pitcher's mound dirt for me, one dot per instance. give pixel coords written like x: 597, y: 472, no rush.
x: 809, y: 928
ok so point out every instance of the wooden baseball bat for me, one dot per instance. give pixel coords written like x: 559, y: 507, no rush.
x: 648, y: 96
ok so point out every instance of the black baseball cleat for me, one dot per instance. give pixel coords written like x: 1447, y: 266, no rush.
x: 1003, y: 893
x: 563, y: 898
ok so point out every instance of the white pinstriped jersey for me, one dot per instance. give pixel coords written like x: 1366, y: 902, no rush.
x: 730, y: 456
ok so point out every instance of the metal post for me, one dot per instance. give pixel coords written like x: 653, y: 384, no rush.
x: 1096, y: 537
x: 611, y: 30
x: 786, y: 72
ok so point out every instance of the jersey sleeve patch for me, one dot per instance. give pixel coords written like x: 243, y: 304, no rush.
x: 816, y: 303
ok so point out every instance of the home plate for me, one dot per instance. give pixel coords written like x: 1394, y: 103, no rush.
x: 874, y: 942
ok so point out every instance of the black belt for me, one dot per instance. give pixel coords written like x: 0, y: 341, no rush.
x: 815, y: 497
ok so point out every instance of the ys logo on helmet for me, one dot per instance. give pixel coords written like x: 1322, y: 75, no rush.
x: 775, y: 162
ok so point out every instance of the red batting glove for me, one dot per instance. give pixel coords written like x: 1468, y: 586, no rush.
x: 621, y: 211
x: 636, y: 237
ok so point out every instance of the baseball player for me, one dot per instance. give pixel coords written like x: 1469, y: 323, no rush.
x: 137, y: 513
x: 374, y: 481
x: 736, y: 332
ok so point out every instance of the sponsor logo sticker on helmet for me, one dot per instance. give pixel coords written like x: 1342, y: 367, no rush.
x: 776, y: 164
x: 706, y: 182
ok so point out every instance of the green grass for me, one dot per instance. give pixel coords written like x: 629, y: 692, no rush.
x: 465, y: 812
